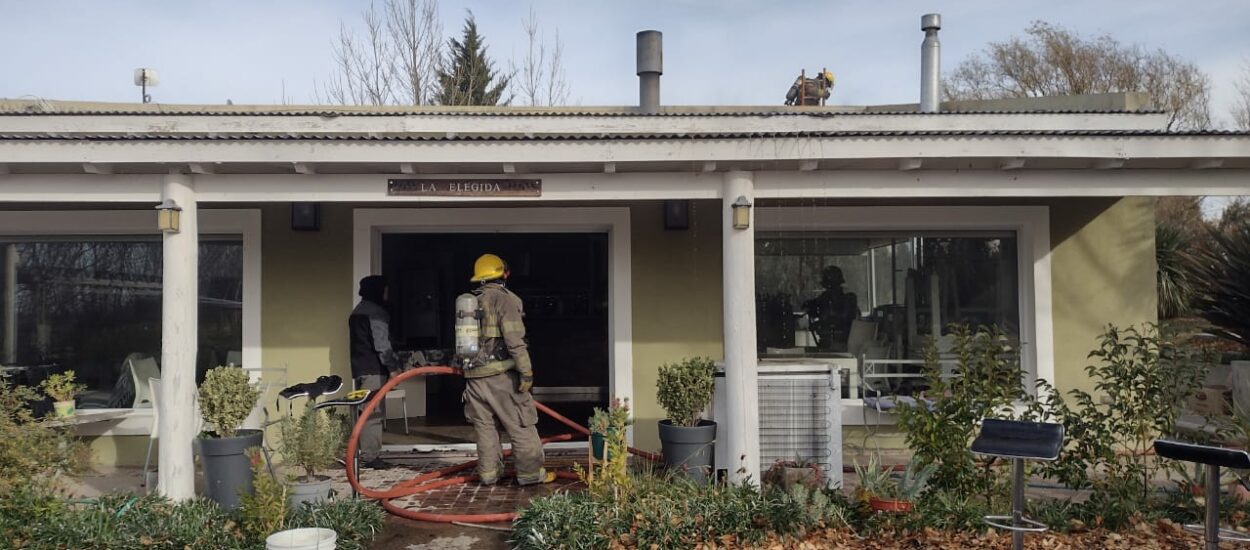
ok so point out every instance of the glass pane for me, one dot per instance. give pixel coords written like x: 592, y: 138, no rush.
x: 88, y: 305
x: 813, y: 286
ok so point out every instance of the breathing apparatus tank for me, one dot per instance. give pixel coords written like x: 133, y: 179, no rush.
x: 468, y: 328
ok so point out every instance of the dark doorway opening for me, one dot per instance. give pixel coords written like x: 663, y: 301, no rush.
x: 562, y: 278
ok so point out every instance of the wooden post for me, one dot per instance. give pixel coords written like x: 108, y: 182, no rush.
x: 740, y: 431
x: 179, y: 342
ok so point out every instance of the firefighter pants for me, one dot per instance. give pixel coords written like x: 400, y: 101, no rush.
x: 371, y: 434
x: 494, y: 401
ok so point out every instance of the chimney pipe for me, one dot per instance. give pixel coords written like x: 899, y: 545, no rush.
x: 930, y: 64
x: 650, y: 67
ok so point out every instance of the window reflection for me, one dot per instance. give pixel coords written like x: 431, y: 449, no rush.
x: 901, y: 287
x: 94, y: 306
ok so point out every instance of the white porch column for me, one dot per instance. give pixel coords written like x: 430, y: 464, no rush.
x: 10, y: 305
x: 740, y: 431
x: 179, y: 342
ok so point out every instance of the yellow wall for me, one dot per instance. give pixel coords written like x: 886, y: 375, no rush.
x: 676, y: 300
x: 1102, y: 271
x: 306, y: 293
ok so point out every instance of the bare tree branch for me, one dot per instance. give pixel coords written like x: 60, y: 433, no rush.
x: 540, y: 78
x: 1241, y: 104
x: 1052, y: 60
x: 363, y: 72
x: 413, y: 27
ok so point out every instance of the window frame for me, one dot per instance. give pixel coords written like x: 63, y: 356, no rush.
x: 246, y: 223
x: 1031, y: 225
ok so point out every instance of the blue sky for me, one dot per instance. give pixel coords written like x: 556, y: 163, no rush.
x: 716, y: 52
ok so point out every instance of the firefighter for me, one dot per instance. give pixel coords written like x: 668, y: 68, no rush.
x: 498, y: 381
x: 372, y: 358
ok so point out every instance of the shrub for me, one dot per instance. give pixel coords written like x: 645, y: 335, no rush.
x: 685, y: 389
x: 31, y: 450
x: 615, y: 417
x: 264, y: 509
x: 1224, y: 272
x: 610, y: 478
x: 990, y: 382
x: 357, y: 521
x: 226, y: 399
x: 312, y: 441
x: 61, y: 386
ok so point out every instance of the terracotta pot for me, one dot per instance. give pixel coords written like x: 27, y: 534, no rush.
x: 890, y: 505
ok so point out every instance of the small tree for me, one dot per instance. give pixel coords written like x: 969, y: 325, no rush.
x: 312, y: 441
x: 469, y: 76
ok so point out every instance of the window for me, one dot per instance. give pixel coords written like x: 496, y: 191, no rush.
x: 93, y: 305
x: 902, y: 287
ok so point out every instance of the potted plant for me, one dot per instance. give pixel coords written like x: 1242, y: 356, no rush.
x: 226, y: 398
x: 62, y: 389
x: 887, y: 493
x: 604, y: 423
x: 800, y: 471
x: 311, y: 442
x: 684, y: 391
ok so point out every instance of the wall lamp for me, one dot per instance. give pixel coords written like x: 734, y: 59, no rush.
x: 167, y: 214
x: 742, y: 213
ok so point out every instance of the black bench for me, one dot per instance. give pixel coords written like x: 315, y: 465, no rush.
x: 1214, y: 458
x: 1019, y: 441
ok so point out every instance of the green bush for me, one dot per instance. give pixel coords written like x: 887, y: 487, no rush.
x: 32, y: 517
x: 665, y: 512
x: 313, y: 441
x: 226, y: 399
x: 30, y: 449
x: 61, y: 386
x: 685, y: 389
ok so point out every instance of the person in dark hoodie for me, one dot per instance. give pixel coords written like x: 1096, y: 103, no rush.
x: 373, y: 360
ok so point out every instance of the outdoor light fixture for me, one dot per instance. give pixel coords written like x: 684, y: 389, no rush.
x: 742, y: 213
x: 167, y: 214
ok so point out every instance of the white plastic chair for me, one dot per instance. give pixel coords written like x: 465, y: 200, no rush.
x: 142, y: 367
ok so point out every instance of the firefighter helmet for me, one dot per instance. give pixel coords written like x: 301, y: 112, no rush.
x: 488, y: 267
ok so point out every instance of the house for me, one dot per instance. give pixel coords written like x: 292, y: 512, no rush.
x: 619, y: 225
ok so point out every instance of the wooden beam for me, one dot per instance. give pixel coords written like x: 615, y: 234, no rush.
x: 1108, y: 164
x: 808, y: 165
x: 407, y: 168
x: 609, y: 168
x: 509, y: 168
x: 709, y: 167
x: 303, y: 168
x: 95, y: 168
x: 909, y: 164
x: 1206, y: 164
x: 1013, y: 163
x: 201, y: 168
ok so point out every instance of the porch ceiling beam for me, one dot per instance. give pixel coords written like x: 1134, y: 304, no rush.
x: 201, y: 168
x: 303, y: 168
x: 609, y: 168
x: 1206, y: 164
x: 708, y: 167
x: 808, y: 165
x: 4, y: 168
x: 96, y: 168
x: 910, y: 164
x: 508, y: 168
x: 1014, y: 163
x: 1108, y: 164
x: 407, y: 168
x: 661, y: 150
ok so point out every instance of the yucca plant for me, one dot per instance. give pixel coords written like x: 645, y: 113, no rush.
x: 1174, y: 271
x: 1224, y: 272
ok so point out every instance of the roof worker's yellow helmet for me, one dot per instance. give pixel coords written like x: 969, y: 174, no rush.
x: 488, y: 267
x: 828, y: 77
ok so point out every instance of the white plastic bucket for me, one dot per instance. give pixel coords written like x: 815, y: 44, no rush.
x: 308, y: 538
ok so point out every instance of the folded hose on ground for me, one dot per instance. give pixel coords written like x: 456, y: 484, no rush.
x: 436, y: 479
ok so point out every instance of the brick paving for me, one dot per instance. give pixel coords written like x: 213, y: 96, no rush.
x: 462, y: 498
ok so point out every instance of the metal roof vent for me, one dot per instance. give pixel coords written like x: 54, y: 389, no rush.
x: 930, y: 64
x: 650, y: 67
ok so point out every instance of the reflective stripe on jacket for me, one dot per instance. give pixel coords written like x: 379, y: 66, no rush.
x: 503, y: 333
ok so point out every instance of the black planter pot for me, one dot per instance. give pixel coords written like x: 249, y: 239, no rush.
x: 690, y: 450
x: 227, y: 470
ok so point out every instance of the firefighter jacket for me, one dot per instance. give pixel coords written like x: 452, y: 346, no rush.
x: 503, y: 334
x: 370, y: 340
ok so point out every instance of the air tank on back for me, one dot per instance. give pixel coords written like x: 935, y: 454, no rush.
x: 468, y: 327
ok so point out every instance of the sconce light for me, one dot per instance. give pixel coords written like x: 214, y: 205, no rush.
x: 742, y: 213
x: 167, y: 214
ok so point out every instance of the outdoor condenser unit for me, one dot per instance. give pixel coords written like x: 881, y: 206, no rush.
x: 800, y: 406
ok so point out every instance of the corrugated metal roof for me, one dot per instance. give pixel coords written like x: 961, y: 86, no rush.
x: 609, y: 137
x: 529, y: 112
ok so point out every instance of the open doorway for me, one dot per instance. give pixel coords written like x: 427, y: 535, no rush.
x: 562, y: 279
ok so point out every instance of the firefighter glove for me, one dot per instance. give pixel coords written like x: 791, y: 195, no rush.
x: 527, y: 382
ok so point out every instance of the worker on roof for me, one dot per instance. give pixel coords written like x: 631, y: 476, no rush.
x: 498, y: 381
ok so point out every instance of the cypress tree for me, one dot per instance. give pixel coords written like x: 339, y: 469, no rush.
x: 469, y: 77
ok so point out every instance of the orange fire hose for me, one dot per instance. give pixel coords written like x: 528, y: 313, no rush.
x: 436, y: 480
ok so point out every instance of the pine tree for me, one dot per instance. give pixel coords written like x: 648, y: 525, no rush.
x: 469, y: 77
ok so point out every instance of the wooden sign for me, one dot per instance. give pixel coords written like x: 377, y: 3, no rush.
x: 465, y: 187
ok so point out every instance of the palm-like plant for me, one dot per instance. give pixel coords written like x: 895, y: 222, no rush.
x: 1176, y: 286
x: 1224, y: 271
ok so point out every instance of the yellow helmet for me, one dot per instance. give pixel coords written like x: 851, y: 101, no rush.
x: 828, y: 77
x: 488, y: 267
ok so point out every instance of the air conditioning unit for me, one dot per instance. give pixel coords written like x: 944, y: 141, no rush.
x: 800, y: 408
